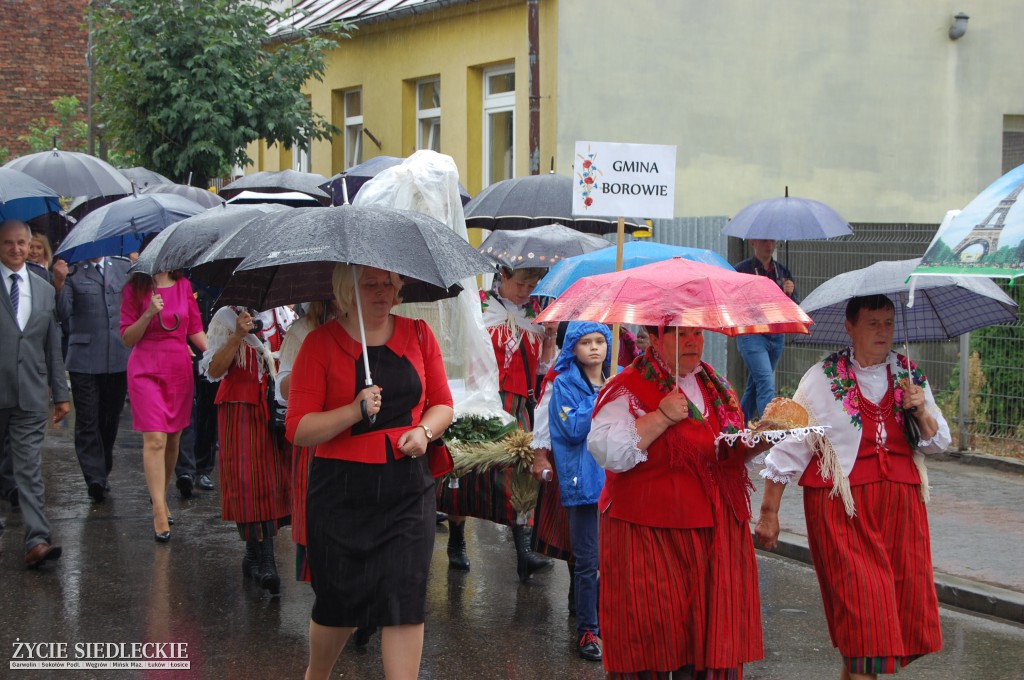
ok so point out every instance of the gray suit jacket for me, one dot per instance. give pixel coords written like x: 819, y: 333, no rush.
x: 31, y: 365
x: 89, y: 306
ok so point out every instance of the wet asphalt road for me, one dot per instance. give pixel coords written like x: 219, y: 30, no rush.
x: 114, y: 584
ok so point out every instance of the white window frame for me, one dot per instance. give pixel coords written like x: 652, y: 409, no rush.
x: 424, y: 114
x: 302, y: 160
x: 353, y: 144
x: 497, y: 103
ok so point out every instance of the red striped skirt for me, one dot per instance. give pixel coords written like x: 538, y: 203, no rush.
x: 672, y: 598
x: 875, y: 571
x: 302, y: 459
x: 551, y: 523
x: 485, y: 495
x: 254, y: 477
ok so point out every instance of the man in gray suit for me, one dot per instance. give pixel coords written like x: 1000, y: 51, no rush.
x: 31, y: 368
x: 89, y: 306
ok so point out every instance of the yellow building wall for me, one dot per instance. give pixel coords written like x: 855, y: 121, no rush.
x: 455, y: 43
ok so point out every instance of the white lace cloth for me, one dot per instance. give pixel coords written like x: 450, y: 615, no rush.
x: 790, y: 457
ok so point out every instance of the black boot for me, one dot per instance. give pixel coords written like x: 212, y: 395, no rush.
x: 361, y: 637
x: 269, y: 580
x: 251, y: 561
x: 457, y: 557
x: 572, y: 587
x: 527, y: 561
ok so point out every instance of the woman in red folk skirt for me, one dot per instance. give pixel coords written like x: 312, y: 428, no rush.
x: 255, y: 478
x: 679, y: 591
x: 864, y: 495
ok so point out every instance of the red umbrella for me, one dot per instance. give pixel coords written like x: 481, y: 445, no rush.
x: 679, y: 292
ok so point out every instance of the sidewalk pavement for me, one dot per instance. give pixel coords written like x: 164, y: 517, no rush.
x: 976, y: 516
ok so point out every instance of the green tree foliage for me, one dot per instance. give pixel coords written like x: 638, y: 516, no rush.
x: 999, y: 349
x: 187, y: 84
x: 69, y: 133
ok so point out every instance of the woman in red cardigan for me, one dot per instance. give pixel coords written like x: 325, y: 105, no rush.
x: 370, y: 510
x: 679, y: 588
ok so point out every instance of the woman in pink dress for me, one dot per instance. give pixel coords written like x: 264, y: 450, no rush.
x: 158, y: 315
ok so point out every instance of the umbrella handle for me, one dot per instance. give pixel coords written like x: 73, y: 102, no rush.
x: 177, y: 322
x: 366, y: 413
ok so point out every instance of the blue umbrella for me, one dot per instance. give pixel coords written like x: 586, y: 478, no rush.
x: 984, y: 239
x: 634, y: 254
x: 787, y: 219
x: 23, y: 197
x: 119, y: 228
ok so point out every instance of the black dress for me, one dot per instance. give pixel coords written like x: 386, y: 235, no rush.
x: 370, y: 527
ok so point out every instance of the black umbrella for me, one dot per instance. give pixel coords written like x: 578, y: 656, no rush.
x: 534, y: 201
x: 279, y: 181
x: 358, y: 175
x: 73, y: 174
x: 203, y: 197
x: 539, y: 246
x: 180, y: 245
x: 143, y: 177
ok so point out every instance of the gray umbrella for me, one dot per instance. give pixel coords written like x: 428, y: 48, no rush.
x: 73, y: 174
x: 944, y: 306
x: 282, y: 180
x: 289, y: 255
x: 180, y: 245
x: 23, y: 197
x: 143, y: 177
x: 203, y: 197
x: 787, y: 219
x: 534, y: 201
x: 119, y: 227
x: 539, y: 246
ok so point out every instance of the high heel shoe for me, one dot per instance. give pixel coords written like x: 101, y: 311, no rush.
x: 162, y: 537
x: 170, y: 520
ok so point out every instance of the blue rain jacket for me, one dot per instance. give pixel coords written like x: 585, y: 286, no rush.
x: 580, y: 478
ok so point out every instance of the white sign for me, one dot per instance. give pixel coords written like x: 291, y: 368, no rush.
x: 624, y: 180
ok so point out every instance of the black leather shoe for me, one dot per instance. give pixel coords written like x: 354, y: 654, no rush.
x: 97, y: 492
x: 184, y: 485
x: 162, y: 537
x: 205, y: 483
x: 590, y: 647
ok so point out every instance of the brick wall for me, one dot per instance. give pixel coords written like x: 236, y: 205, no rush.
x: 42, y: 57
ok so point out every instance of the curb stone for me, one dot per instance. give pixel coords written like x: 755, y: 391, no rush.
x: 954, y: 591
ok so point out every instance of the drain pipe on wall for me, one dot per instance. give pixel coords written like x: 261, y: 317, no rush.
x: 533, y: 31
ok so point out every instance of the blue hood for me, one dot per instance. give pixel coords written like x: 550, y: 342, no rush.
x: 575, y: 331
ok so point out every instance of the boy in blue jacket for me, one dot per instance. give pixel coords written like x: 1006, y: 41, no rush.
x: 583, y: 366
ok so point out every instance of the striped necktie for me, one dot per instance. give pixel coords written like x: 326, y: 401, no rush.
x: 15, y: 294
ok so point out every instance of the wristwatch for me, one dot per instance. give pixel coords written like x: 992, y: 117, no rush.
x: 430, y: 434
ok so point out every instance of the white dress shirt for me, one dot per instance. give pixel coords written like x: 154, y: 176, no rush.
x: 25, y: 292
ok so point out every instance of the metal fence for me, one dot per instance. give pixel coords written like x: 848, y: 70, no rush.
x: 991, y: 405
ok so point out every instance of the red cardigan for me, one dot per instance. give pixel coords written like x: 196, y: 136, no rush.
x: 682, y: 479
x: 323, y: 379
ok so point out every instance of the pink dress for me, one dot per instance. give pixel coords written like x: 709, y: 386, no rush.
x: 160, y: 367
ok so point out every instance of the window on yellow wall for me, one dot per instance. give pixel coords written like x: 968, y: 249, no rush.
x: 353, y: 127
x: 499, y: 124
x: 301, y: 158
x: 428, y: 114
